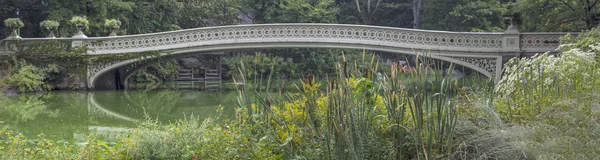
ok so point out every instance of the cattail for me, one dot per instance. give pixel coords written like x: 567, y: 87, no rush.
x: 345, y: 71
x: 268, y: 102
x: 310, y: 79
x: 282, y: 90
x: 332, y: 85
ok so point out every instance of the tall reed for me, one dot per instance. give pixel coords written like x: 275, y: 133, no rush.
x: 361, y: 114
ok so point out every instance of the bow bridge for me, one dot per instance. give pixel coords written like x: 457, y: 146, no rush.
x: 483, y: 52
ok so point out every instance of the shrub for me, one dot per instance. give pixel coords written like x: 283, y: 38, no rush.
x: 49, y: 25
x: 531, y: 84
x: 13, y: 23
x: 28, y: 79
x: 112, y: 24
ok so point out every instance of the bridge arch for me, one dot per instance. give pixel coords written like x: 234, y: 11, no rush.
x: 486, y: 64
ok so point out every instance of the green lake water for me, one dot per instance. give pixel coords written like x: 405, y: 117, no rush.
x: 73, y: 115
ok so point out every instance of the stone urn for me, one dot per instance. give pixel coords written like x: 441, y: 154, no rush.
x: 51, y: 35
x: 80, y: 28
x: 112, y: 32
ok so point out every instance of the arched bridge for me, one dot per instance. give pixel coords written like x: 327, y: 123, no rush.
x: 483, y: 52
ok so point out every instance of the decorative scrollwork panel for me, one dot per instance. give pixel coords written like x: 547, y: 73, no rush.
x: 488, y: 64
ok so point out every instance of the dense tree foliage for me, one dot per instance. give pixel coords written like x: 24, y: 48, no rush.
x: 146, y: 16
x: 376, y: 12
x: 559, y: 15
x: 289, y: 11
x: 464, y: 15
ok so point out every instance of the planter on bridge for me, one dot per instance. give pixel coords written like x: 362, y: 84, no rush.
x: 81, y: 24
x: 14, y: 24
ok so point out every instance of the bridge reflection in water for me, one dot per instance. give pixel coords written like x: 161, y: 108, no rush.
x: 166, y: 106
x: 75, y: 115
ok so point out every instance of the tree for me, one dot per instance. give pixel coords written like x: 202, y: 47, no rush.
x: 417, y: 7
x: 376, y: 12
x: 290, y: 11
x: 558, y: 15
x: 464, y: 15
x: 96, y: 11
x: 31, y: 12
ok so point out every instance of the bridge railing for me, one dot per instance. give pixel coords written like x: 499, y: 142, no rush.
x: 8, y: 46
x: 540, y: 42
x: 309, y: 33
x: 302, y: 33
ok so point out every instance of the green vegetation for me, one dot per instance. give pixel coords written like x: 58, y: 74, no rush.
x: 13, y: 23
x: 260, y: 65
x: 143, y: 16
x: 348, y: 105
x: 45, y: 66
x: 112, y: 24
x: 355, y: 114
x: 80, y: 21
x: 49, y: 25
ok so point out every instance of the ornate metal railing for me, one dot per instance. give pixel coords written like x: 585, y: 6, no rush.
x: 299, y: 33
x: 480, y: 42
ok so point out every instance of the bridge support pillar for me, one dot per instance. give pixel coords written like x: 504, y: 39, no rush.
x: 499, y: 69
x: 511, y: 43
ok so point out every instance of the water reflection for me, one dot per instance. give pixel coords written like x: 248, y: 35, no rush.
x: 74, y: 115
x: 24, y: 108
x: 161, y: 102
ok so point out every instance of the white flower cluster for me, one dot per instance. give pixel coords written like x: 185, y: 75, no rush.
x: 548, y: 71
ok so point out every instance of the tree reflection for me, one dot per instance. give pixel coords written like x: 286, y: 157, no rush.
x: 23, y: 108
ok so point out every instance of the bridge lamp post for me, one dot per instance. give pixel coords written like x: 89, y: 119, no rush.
x: 18, y: 29
x: 597, y: 19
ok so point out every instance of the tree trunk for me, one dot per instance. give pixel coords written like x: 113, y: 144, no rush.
x: 417, y: 6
